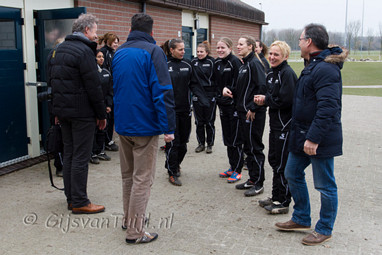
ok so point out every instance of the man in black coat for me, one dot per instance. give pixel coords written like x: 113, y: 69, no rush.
x: 78, y: 106
x: 315, y: 134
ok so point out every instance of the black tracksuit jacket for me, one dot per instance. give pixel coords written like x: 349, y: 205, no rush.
x: 250, y: 82
x: 226, y: 71
x: 203, y: 73
x: 181, y: 75
x: 280, y: 83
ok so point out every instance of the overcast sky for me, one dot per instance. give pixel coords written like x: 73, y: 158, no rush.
x: 331, y: 13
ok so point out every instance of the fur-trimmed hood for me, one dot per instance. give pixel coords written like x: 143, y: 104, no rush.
x: 337, y: 54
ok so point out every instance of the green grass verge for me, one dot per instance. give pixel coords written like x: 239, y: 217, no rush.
x: 363, y: 92
x: 355, y: 73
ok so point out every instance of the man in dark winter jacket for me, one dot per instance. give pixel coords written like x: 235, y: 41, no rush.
x: 78, y: 106
x: 144, y: 109
x: 315, y: 134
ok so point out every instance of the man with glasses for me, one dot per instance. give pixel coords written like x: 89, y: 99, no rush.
x: 316, y: 133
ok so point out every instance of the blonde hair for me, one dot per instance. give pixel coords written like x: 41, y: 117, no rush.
x: 227, y: 41
x: 284, y: 47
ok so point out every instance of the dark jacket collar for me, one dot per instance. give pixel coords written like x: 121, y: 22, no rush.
x: 141, y: 36
x: 90, y: 44
x: 248, y: 57
x: 171, y: 58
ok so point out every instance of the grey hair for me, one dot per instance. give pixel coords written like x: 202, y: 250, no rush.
x: 84, y: 21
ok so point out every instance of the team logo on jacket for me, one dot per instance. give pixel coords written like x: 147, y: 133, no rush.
x: 196, y: 64
x: 184, y: 69
x: 270, y: 80
x: 206, y: 65
x: 170, y: 69
x: 243, y: 71
x: 228, y: 69
x: 282, y: 136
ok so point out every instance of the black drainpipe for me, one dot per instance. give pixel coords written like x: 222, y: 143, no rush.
x: 144, y: 6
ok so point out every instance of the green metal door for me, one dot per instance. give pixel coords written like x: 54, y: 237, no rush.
x: 52, y: 26
x: 13, y: 129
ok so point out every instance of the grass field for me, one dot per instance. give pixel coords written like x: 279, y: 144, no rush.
x: 357, y: 55
x: 356, y: 73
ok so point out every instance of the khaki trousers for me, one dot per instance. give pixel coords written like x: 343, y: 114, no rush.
x: 138, y: 160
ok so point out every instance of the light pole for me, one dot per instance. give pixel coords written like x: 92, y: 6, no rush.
x: 346, y: 23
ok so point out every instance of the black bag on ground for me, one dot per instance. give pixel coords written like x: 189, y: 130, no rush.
x: 54, y: 145
x: 54, y: 142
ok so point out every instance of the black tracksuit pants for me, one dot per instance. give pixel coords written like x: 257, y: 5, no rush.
x: 277, y: 158
x: 252, y: 132
x: 231, y: 136
x: 205, y: 121
x: 177, y: 148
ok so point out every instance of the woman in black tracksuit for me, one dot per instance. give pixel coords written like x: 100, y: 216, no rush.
x: 111, y: 42
x: 281, y: 80
x: 203, y: 70
x: 98, y: 151
x: 181, y: 73
x: 262, y: 51
x: 226, y: 71
x: 250, y: 82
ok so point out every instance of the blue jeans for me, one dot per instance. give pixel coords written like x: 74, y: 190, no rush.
x: 324, y: 182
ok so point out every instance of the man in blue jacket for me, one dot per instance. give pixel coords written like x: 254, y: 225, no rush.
x: 316, y: 133
x: 144, y: 109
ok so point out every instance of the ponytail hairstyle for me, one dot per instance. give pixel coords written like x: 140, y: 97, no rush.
x: 107, y: 38
x: 264, y: 48
x: 170, y: 44
x: 251, y: 41
x: 206, y: 46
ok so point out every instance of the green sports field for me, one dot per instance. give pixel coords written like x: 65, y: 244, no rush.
x: 356, y: 74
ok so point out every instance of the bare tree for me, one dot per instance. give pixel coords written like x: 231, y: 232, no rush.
x: 290, y: 36
x: 380, y: 37
x: 352, y: 34
x: 270, y: 36
x: 370, y: 39
x: 336, y: 38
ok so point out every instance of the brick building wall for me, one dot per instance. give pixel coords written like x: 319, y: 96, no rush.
x: 114, y: 16
x: 227, y: 27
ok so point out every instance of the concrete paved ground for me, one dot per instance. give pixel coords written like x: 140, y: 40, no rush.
x: 206, y: 215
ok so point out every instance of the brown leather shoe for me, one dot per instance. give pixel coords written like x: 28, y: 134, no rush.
x: 315, y: 238
x: 291, y: 226
x: 88, y: 209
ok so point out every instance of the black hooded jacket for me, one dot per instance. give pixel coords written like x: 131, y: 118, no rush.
x: 73, y: 76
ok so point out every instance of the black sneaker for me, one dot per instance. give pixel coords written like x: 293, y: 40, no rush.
x: 94, y: 159
x: 174, y: 180
x: 246, y: 185
x: 111, y: 146
x: 103, y: 156
x: 146, y: 238
x: 209, y: 149
x: 277, y: 208
x: 200, y: 148
x: 265, y: 202
x: 255, y: 190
